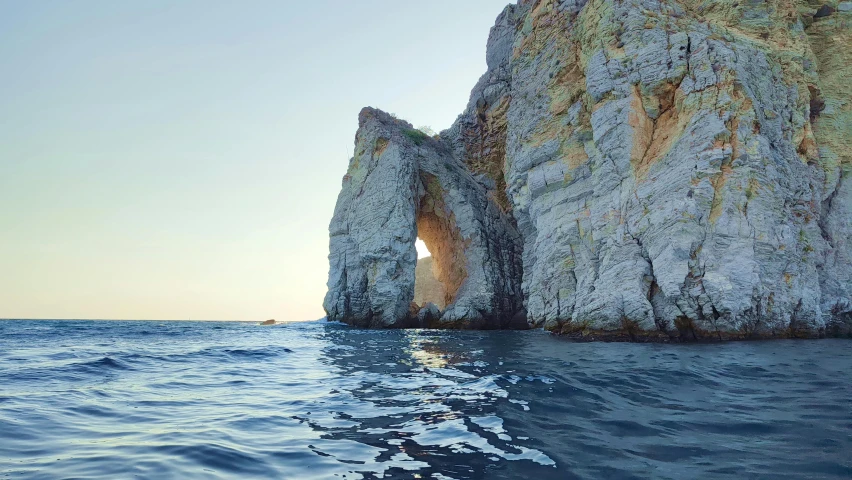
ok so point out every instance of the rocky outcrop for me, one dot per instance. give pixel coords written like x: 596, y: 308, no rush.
x: 648, y: 168
x: 402, y: 184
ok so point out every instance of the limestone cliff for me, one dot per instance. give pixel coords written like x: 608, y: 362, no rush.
x: 670, y: 168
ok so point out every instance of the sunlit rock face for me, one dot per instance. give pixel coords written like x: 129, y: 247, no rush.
x: 646, y: 168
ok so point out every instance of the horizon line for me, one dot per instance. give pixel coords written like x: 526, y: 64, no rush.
x: 146, y: 320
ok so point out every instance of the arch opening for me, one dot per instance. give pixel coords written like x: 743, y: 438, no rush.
x: 440, y: 274
x: 427, y: 287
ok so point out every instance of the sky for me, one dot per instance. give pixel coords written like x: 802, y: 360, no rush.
x: 181, y: 160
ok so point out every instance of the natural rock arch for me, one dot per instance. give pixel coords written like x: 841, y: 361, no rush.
x: 436, y: 226
x: 402, y: 183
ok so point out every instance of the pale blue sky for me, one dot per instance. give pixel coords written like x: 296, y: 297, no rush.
x: 181, y: 159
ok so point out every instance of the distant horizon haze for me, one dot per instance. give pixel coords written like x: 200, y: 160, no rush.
x: 156, y: 320
x: 165, y: 160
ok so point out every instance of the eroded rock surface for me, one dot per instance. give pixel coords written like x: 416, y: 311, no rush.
x: 640, y: 167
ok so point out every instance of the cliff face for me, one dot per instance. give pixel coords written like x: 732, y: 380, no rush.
x: 645, y: 167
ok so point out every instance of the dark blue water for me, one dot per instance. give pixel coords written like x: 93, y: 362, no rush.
x: 85, y: 399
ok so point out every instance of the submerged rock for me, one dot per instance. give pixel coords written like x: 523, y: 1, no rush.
x: 268, y: 322
x: 428, y: 316
x: 642, y: 168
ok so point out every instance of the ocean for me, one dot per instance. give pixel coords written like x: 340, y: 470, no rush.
x: 317, y: 400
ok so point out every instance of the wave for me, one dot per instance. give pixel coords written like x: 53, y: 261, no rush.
x: 257, y: 352
x: 318, y: 401
x: 102, y: 364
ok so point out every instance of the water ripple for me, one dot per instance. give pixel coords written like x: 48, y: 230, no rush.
x: 317, y: 400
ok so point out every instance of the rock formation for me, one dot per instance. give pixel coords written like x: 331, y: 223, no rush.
x: 649, y: 168
x: 401, y: 184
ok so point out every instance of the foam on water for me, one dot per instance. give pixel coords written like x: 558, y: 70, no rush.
x: 318, y: 400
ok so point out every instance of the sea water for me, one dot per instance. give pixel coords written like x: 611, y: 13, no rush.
x: 317, y: 400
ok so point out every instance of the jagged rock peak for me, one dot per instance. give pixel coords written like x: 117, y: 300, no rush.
x: 638, y: 168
